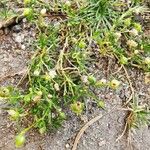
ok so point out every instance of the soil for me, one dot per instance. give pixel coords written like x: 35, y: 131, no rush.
x: 15, y: 52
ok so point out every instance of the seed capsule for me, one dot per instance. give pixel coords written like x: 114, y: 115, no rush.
x: 20, y: 140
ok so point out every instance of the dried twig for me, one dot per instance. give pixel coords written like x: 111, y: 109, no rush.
x: 130, y: 84
x: 79, y: 135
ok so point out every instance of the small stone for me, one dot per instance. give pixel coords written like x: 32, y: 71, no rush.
x: 84, y: 118
x: 101, y: 143
x: 23, y: 47
x: 18, y: 39
x: 16, y: 28
x: 67, y: 145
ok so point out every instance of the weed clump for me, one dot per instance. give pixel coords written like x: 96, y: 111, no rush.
x: 58, y: 75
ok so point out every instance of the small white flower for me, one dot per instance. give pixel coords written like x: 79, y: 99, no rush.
x: 136, y: 52
x: 132, y: 43
x: 118, y: 35
x: 52, y: 73
x: 68, y: 3
x: 147, y: 60
x: 43, y: 12
x: 137, y: 11
x: 56, y: 86
x: 133, y: 32
x: 50, y: 96
x: 36, y: 72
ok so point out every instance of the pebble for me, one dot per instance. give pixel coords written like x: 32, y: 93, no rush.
x: 18, y: 39
x: 16, y: 28
x: 101, y: 143
x: 84, y: 118
x: 23, y: 47
x: 67, y: 145
x: 1, y: 32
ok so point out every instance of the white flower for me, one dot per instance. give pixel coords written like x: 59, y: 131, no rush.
x: 36, y: 72
x: 132, y: 43
x: 52, y: 73
x: 133, y: 32
x: 67, y: 3
x: 43, y: 12
x: 118, y: 35
x: 56, y: 86
x: 136, y: 52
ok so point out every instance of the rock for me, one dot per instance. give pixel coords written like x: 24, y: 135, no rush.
x: 1, y: 32
x: 6, y: 31
x: 18, y: 39
x: 17, y: 28
x: 67, y: 145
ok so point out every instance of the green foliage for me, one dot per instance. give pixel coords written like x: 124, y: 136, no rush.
x: 58, y: 74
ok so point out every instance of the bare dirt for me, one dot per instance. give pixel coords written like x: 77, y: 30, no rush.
x: 15, y: 51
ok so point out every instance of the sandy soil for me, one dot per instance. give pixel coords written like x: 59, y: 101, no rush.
x: 15, y: 52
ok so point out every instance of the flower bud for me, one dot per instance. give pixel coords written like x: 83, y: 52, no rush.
x: 92, y: 79
x: 27, y: 2
x: 56, y: 86
x: 82, y: 44
x: 68, y: 3
x: 50, y: 96
x: 138, y: 27
x: 127, y: 22
x: 62, y: 115
x: 43, y: 11
x: 136, y: 52
x: 36, y: 72
x: 20, y: 140
x: 52, y: 73
x: 42, y: 130
x: 123, y: 60
x: 132, y: 43
x: 133, y: 32
x: 27, y: 11
x: 77, y: 107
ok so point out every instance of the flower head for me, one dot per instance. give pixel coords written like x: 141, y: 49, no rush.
x: 114, y: 84
x: 43, y: 11
x: 77, y: 107
x: 132, y: 43
x: 52, y: 73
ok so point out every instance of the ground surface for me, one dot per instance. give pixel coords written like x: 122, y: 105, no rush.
x: 15, y: 52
